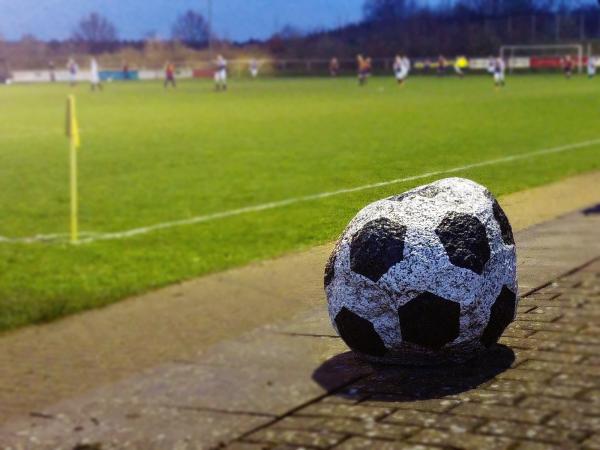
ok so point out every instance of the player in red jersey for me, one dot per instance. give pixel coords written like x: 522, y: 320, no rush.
x: 568, y: 66
x: 170, y: 75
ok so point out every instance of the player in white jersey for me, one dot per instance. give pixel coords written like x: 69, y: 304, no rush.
x: 95, y: 81
x: 591, y: 67
x: 491, y: 65
x: 401, y: 68
x: 221, y: 74
x: 73, y: 68
x: 253, y: 67
x: 499, y: 71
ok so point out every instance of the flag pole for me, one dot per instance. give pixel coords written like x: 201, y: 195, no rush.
x: 74, y: 194
x: 72, y: 129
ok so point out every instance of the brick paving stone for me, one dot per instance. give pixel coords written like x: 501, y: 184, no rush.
x: 513, y: 332
x: 592, y: 360
x: 524, y: 309
x: 341, y: 410
x: 368, y: 444
x: 247, y: 446
x: 583, y: 349
x: 571, y: 379
x: 461, y: 440
x: 546, y: 326
x: 523, y: 343
x: 572, y: 421
x: 541, y: 299
x: 491, y: 397
x: 532, y: 432
x: 542, y: 316
x: 525, y: 375
x: 575, y: 338
x: 435, y: 405
x: 592, y: 396
x: 554, y: 367
x: 343, y: 399
x: 521, y: 414
x: 537, y: 446
x: 560, y: 404
x: 343, y: 425
x: 550, y: 356
x: 592, y: 443
x: 590, y: 331
x: 545, y: 389
x: 448, y: 422
x: 322, y: 439
x: 559, y: 304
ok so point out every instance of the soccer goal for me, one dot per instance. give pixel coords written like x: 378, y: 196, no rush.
x: 541, y: 56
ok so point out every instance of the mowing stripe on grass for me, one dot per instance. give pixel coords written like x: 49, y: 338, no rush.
x: 94, y: 237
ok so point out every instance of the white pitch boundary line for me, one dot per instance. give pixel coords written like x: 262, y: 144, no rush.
x: 48, y: 238
x: 94, y: 237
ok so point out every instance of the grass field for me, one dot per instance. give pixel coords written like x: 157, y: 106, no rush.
x: 151, y: 156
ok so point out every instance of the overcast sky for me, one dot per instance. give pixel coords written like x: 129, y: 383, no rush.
x: 233, y: 19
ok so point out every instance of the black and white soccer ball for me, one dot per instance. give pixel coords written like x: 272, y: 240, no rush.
x: 425, y: 277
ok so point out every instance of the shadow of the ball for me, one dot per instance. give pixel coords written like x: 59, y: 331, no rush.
x: 398, y: 383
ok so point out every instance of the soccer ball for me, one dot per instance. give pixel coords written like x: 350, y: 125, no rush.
x: 426, y: 277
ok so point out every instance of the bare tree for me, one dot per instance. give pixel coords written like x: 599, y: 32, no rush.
x: 192, y: 29
x: 96, y: 31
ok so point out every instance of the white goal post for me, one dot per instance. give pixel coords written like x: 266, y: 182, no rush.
x: 512, y: 53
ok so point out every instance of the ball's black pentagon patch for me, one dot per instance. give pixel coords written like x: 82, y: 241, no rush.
x: 465, y: 240
x: 359, y: 334
x: 505, y: 228
x: 429, y: 321
x: 330, y: 269
x: 502, y: 314
x: 377, y: 247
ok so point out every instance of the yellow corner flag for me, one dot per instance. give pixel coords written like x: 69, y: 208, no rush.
x: 72, y: 130
x: 72, y: 126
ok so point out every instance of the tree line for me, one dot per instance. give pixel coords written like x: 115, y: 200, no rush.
x: 471, y: 27
x: 449, y: 27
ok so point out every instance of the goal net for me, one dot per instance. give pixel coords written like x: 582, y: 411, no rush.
x: 541, y: 57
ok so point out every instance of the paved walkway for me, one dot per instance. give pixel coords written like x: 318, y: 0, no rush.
x: 42, y: 365
x: 539, y: 389
x: 294, y: 384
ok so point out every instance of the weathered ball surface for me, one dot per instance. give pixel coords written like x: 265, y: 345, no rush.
x: 426, y: 277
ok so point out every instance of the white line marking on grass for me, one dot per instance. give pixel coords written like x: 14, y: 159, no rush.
x: 45, y: 238
x: 94, y: 237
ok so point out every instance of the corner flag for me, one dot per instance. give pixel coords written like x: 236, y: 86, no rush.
x: 72, y: 130
x: 72, y: 126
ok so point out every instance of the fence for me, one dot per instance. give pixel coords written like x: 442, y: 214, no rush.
x: 300, y: 67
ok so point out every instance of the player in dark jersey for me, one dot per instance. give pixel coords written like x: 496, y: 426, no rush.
x: 334, y: 67
x: 170, y: 75
x: 441, y: 66
x: 363, y: 69
x: 568, y: 66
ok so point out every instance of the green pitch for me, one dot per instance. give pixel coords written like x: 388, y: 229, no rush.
x: 151, y: 156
